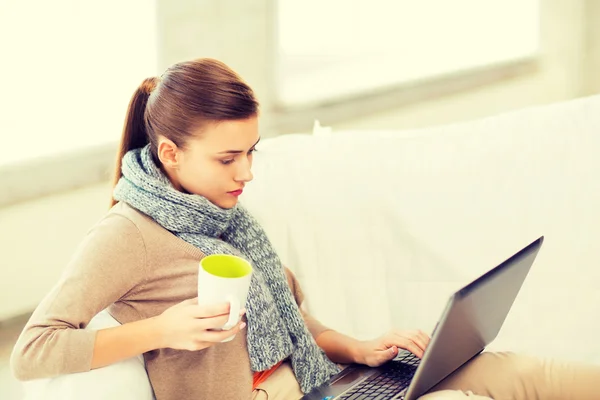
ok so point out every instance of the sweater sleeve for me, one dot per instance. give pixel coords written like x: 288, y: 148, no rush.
x: 314, y: 326
x: 107, y: 264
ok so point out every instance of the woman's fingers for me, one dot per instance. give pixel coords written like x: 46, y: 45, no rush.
x: 209, y: 310
x: 419, y: 340
x: 413, y: 341
x: 216, y: 336
x: 425, y: 337
x: 387, y: 355
x: 408, y: 344
x: 212, y: 322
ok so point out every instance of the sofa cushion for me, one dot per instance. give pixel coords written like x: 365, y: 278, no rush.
x: 125, y: 380
x: 381, y: 226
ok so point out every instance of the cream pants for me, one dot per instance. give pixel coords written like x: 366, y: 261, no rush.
x: 496, y: 376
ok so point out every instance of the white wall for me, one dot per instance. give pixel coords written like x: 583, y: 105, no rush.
x: 592, y: 47
x: 239, y: 34
x: 37, y: 237
x: 235, y: 32
x: 570, y: 53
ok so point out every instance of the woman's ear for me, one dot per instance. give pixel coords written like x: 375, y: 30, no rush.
x: 168, y: 153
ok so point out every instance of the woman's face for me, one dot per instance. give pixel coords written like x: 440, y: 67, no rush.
x: 216, y: 162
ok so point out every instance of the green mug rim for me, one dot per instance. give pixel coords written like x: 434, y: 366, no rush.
x: 243, y: 266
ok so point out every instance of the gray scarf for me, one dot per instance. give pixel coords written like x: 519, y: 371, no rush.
x: 276, y: 329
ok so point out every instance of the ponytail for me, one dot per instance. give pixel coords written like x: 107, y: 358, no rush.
x: 134, y: 135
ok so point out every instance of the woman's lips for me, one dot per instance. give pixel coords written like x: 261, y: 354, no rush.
x: 236, y: 193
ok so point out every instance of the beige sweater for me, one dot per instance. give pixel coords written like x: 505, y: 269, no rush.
x: 130, y: 264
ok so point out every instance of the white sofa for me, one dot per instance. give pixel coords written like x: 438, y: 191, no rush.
x: 381, y: 226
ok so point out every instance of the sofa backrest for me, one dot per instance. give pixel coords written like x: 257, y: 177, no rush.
x: 381, y: 226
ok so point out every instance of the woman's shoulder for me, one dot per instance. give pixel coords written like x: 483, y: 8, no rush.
x: 122, y: 213
x: 121, y: 225
x: 118, y: 228
x: 127, y: 220
x: 124, y: 218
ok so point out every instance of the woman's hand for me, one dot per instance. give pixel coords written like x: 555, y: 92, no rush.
x: 378, y: 351
x: 188, y: 326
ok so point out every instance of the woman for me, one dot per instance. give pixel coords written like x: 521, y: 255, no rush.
x: 185, y: 157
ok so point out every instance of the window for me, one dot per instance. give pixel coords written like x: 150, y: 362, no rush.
x: 68, y: 70
x: 329, y: 49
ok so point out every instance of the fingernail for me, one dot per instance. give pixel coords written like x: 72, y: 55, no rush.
x: 243, y: 325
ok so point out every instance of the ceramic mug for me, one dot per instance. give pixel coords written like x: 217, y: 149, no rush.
x: 224, y: 278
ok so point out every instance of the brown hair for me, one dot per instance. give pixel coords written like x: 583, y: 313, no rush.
x: 188, y: 96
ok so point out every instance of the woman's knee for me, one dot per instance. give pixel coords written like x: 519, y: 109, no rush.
x: 518, y: 366
x: 452, y: 395
x: 511, y: 375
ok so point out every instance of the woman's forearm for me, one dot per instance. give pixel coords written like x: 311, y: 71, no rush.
x: 340, y: 348
x: 125, y: 341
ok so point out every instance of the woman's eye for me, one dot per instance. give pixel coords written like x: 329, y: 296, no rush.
x: 227, y: 162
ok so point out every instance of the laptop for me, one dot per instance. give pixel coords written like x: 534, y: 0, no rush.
x: 471, y: 320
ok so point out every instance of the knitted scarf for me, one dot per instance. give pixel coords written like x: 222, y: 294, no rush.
x: 276, y: 329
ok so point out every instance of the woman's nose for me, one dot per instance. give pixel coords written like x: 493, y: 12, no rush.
x: 244, y: 172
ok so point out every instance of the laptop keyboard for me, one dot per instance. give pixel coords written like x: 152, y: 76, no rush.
x: 396, y: 377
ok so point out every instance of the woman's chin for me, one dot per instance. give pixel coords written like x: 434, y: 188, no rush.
x: 226, y: 203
